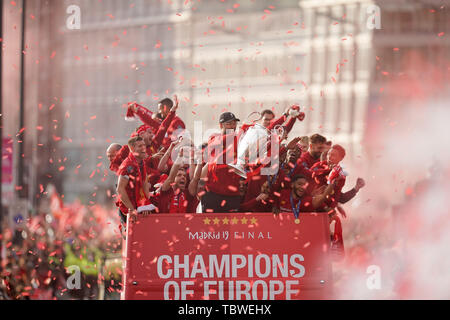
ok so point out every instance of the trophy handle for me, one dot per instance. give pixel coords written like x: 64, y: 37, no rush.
x: 280, y: 130
x: 250, y: 117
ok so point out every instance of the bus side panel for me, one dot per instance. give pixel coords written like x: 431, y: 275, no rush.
x: 273, y: 252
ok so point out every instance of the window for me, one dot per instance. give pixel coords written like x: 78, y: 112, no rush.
x: 317, y: 113
x: 322, y: 21
x: 307, y: 17
x: 387, y: 21
x: 344, y: 114
x: 334, y: 58
x: 318, y: 58
x: 348, y: 69
x: 336, y: 13
x: 406, y: 21
x: 350, y: 19
x: 364, y: 63
x: 330, y: 113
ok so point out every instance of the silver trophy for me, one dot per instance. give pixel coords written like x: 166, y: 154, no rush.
x: 252, y: 147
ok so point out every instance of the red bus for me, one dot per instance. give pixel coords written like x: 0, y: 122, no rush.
x: 243, y: 256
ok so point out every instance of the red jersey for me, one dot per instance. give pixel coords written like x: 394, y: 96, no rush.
x: 146, y: 117
x: 222, y: 180
x: 256, y: 180
x: 155, y: 144
x: 175, y: 202
x: 290, y: 170
x: 255, y: 183
x: 307, y: 161
x: 158, y: 139
x: 254, y: 205
x: 174, y: 124
x: 136, y: 174
x: 226, y: 146
x: 119, y: 158
x: 320, y: 173
x: 286, y: 205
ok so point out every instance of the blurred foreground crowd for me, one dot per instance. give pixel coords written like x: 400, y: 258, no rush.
x: 68, y: 253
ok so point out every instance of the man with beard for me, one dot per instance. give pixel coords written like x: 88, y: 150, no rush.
x: 222, y: 186
x: 316, y: 147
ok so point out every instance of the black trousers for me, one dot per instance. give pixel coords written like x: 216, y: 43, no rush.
x: 212, y: 203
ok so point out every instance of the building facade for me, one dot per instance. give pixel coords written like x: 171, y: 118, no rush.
x: 329, y: 56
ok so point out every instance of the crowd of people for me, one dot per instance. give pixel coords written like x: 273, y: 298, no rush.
x: 40, y: 255
x: 160, y: 170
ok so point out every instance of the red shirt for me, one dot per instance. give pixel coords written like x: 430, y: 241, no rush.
x: 254, y: 205
x: 226, y: 145
x: 119, y: 158
x: 290, y: 170
x: 135, y: 178
x: 284, y: 202
x: 158, y: 139
x: 254, y: 187
x: 154, y: 146
x: 175, y: 202
x: 192, y: 205
x: 320, y: 173
x: 222, y: 180
x: 307, y: 161
x: 174, y: 124
x: 146, y: 117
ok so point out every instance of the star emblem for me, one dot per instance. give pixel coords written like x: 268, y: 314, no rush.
x: 234, y: 220
x: 225, y: 221
x: 216, y: 221
x: 206, y: 221
x: 244, y: 220
x: 253, y: 220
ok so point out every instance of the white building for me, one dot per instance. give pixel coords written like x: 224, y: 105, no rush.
x: 242, y: 56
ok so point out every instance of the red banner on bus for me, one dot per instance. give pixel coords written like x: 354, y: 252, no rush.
x: 228, y: 257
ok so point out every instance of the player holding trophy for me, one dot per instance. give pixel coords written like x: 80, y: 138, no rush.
x: 256, y: 140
